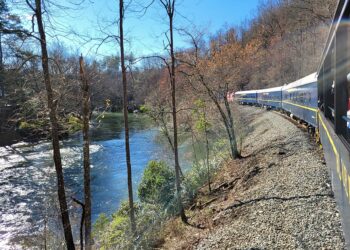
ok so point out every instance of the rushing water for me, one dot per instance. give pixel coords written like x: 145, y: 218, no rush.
x: 27, y: 176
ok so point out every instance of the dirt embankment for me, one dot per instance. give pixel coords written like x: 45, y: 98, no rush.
x: 278, y: 197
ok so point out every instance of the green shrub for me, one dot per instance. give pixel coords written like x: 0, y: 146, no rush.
x: 149, y: 220
x: 100, y: 224
x: 118, y: 231
x: 74, y: 123
x: 195, y: 179
x: 144, y: 109
x: 25, y: 125
x: 156, y: 193
x: 33, y: 124
x: 115, y: 231
x: 158, y: 203
x: 157, y: 184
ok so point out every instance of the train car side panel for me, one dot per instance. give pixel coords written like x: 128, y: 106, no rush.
x: 270, y: 98
x: 246, y: 97
x: 338, y: 161
x: 301, y: 101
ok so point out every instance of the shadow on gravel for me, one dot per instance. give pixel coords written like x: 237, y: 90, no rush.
x: 195, y: 226
x: 298, y: 197
x: 292, y: 144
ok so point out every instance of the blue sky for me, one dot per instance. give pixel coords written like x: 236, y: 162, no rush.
x: 145, y: 33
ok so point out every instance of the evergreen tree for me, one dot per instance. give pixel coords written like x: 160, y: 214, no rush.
x: 10, y: 24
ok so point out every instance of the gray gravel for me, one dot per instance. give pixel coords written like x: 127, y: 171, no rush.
x: 283, y: 199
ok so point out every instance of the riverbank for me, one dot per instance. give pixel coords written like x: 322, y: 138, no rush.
x: 27, y: 180
x: 37, y: 130
x: 278, y: 196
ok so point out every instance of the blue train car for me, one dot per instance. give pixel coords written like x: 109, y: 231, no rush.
x: 270, y: 98
x: 299, y: 98
x: 334, y: 110
x: 246, y: 97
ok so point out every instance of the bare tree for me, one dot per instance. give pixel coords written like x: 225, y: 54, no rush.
x: 37, y: 8
x: 126, y: 121
x: 169, y: 6
x: 201, y: 70
x: 86, y: 151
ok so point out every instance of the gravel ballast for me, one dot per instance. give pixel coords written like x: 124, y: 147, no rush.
x: 277, y: 197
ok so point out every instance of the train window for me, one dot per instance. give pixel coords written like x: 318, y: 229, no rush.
x: 331, y: 103
x: 340, y: 66
x: 329, y: 88
x: 347, y: 116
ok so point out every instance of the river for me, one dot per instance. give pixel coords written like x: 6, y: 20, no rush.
x: 27, y: 176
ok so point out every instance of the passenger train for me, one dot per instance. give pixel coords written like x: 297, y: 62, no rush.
x: 322, y: 101
x: 299, y: 99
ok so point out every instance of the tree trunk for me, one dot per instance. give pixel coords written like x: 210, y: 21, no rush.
x: 82, y: 219
x: 174, y: 113
x: 207, y: 149
x: 2, y: 87
x: 54, y: 131
x: 86, y: 152
x: 233, y: 142
x: 228, y: 121
x: 126, y: 121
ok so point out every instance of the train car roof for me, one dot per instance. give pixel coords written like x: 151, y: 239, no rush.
x: 274, y: 89
x: 246, y: 92
x: 303, y: 81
